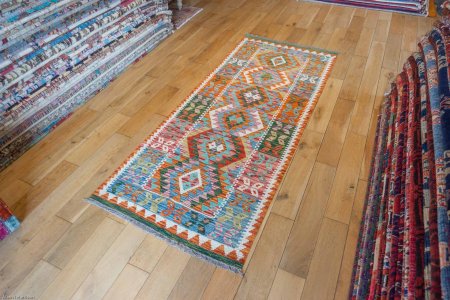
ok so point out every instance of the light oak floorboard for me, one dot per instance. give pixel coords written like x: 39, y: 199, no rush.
x: 193, y: 280
x: 302, y: 239
x: 262, y: 269
x: 79, y: 267
x: 128, y: 284
x: 165, y: 275
x: 111, y: 265
x: 38, y: 280
x: 222, y: 286
x: 286, y: 286
x: 324, y: 270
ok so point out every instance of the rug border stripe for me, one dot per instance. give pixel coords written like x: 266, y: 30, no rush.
x: 165, y: 235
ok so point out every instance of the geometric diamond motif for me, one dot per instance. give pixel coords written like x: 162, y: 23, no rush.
x: 273, y: 79
x: 277, y: 139
x: 239, y: 122
x: 195, y: 108
x: 211, y: 146
x: 190, y: 181
x: 193, y: 184
x: 252, y: 96
x: 278, y: 60
x: 292, y: 109
x: 244, y: 95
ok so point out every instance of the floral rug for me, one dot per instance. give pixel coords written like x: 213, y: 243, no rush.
x: 205, y: 179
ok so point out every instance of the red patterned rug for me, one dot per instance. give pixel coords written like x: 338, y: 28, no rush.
x: 206, y: 178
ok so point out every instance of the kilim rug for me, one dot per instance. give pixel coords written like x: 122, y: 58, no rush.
x: 206, y: 178
x: 181, y: 17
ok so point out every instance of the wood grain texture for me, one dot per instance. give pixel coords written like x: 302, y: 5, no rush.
x: 286, y: 286
x: 111, y: 265
x: 148, y: 254
x: 223, y: 285
x: 37, y: 280
x: 331, y: 147
x: 294, y: 184
x: 324, y: 270
x: 302, y: 239
x: 26, y: 258
x: 348, y: 259
x: 193, y: 281
x: 265, y: 260
x: 65, y: 247
x: 165, y: 275
x: 79, y: 232
x: 79, y: 267
x: 347, y: 174
x: 128, y: 284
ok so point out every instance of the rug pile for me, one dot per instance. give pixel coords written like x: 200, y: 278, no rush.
x: 403, y: 249
x: 55, y: 55
x: 206, y: 178
x: 413, y: 7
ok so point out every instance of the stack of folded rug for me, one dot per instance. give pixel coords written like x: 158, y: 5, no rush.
x: 413, y: 7
x: 403, y: 249
x: 56, y: 54
x: 8, y: 222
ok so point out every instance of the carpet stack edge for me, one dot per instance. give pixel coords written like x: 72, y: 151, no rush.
x: 56, y: 55
x: 403, y: 246
x: 411, y: 7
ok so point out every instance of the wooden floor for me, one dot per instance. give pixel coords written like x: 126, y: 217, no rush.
x: 69, y: 249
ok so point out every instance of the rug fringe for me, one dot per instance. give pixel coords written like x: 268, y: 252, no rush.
x: 170, y: 241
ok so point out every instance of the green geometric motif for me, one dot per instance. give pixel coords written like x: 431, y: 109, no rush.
x: 195, y: 108
x: 277, y: 138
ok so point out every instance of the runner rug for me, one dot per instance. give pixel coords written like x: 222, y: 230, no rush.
x: 206, y: 178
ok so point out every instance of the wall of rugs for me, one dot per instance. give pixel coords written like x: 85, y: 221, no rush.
x: 403, y: 248
x: 55, y: 55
